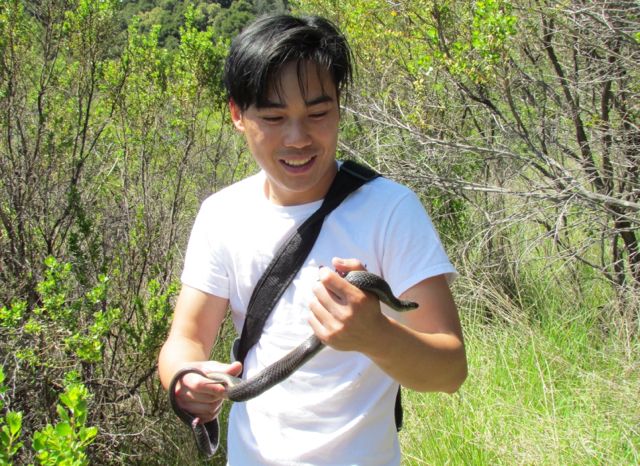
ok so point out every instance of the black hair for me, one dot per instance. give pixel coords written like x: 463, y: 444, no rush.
x: 258, y: 54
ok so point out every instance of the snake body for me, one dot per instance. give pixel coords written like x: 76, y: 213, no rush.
x: 237, y: 389
x: 242, y: 390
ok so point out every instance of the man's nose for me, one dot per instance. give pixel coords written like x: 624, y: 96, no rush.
x: 297, y: 134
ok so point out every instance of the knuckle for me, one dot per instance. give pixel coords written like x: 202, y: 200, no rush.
x: 323, y: 335
x: 359, y: 298
x: 317, y: 287
x: 337, y: 329
x: 324, y: 281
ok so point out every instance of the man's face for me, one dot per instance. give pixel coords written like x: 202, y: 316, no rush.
x: 294, y: 136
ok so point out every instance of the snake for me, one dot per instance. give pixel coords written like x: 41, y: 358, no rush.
x: 236, y: 389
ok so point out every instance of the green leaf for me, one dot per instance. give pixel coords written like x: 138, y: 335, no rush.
x: 38, y: 441
x: 14, y: 421
x: 62, y: 413
x: 87, y: 434
x: 63, y: 429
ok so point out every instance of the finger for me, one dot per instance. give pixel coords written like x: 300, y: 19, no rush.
x: 194, y: 401
x: 202, y: 410
x: 320, y: 314
x: 214, y: 366
x: 217, y: 409
x: 343, y: 266
x: 197, y: 409
x: 318, y: 326
x: 322, y: 288
x: 196, y: 388
x: 327, y: 326
x: 332, y: 298
x: 235, y: 368
x: 342, y: 294
x: 334, y: 284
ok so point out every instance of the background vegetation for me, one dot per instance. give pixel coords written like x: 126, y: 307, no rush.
x: 515, y: 121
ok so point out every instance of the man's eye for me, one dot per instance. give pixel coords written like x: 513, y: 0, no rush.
x: 272, y: 119
x: 318, y: 114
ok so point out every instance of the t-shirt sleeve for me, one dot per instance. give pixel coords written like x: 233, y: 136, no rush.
x: 204, y: 260
x: 413, y: 251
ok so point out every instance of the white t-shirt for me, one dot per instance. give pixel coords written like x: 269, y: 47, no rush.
x: 337, y: 409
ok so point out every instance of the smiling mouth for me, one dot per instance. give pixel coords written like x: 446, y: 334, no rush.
x: 296, y: 163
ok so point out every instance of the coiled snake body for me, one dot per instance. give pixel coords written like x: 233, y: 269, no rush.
x: 237, y: 389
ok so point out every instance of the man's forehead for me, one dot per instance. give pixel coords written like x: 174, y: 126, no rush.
x: 315, y: 84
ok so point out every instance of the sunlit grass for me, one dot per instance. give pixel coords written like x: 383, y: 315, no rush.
x: 558, y: 387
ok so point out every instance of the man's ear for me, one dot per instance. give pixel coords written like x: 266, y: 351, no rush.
x: 236, y: 115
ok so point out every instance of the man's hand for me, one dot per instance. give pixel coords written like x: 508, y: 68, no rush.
x: 424, y: 353
x: 343, y: 316
x: 199, y: 395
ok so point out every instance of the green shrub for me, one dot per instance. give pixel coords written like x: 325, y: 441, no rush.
x: 66, y: 442
x: 10, y: 428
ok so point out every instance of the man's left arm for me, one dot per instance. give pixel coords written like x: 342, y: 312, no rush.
x: 425, y: 352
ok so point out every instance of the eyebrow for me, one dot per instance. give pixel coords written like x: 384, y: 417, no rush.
x: 309, y: 103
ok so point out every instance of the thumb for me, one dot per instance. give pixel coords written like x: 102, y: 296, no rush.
x: 233, y: 368
x: 342, y: 266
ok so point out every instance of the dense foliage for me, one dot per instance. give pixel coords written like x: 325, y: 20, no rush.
x: 516, y: 122
x: 107, y: 150
x: 226, y: 17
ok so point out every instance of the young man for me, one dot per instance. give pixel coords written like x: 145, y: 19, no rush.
x: 284, y: 76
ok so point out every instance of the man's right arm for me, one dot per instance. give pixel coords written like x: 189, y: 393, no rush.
x: 196, y: 321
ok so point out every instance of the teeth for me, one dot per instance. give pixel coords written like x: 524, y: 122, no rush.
x: 297, y: 163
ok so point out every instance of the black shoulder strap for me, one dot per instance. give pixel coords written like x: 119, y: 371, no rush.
x: 292, y: 254
x: 289, y: 258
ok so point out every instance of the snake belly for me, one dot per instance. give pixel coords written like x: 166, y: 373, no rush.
x: 242, y: 390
